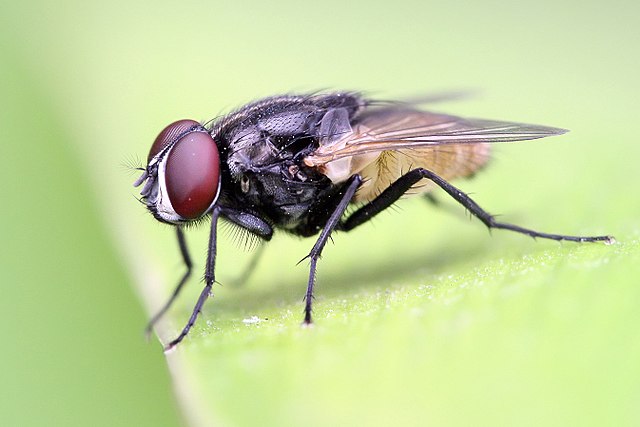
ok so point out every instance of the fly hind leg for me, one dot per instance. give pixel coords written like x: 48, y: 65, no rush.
x: 405, y: 182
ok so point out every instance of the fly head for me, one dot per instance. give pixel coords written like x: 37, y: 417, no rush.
x: 182, y: 177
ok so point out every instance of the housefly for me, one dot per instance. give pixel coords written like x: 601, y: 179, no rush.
x: 296, y: 162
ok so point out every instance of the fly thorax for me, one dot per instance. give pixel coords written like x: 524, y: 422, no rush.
x: 249, y: 149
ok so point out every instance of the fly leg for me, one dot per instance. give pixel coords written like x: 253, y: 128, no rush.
x: 254, y: 225
x: 405, y: 182
x: 243, y: 219
x: 184, y: 251
x: 316, y: 251
x: 243, y: 277
x: 429, y: 197
x: 209, y: 278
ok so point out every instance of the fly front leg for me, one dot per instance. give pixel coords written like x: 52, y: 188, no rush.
x: 246, y: 220
x: 405, y: 182
x: 209, y: 278
x: 316, y: 251
x: 255, y: 226
x: 184, y: 251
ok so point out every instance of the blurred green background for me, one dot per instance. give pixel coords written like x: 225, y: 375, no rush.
x: 422, y: 318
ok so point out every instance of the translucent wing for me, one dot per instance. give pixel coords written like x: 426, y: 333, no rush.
x: 385, y: 143
x: 395, y: 129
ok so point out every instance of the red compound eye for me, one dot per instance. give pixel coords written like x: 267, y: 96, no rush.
x: 169, y: 134
x: 192, y: 174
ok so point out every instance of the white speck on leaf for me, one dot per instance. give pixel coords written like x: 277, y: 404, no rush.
x: 251, y: 321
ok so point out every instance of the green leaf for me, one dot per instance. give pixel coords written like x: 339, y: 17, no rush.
x: 422, y: 317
